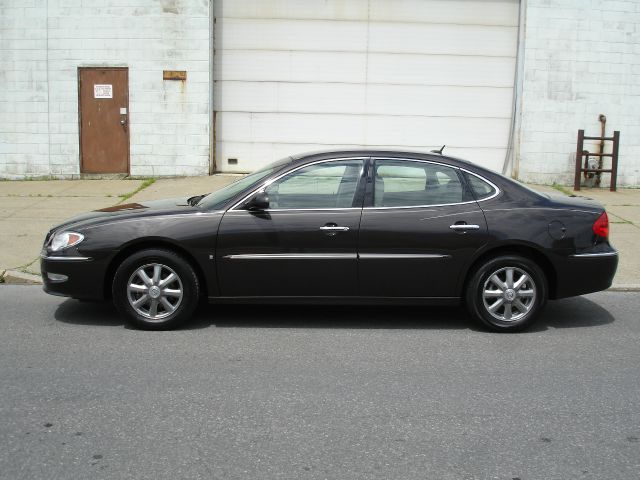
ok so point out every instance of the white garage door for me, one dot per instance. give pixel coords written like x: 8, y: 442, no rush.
x: 299, y: 75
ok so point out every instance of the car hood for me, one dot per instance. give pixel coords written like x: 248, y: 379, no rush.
x: 169, y: 206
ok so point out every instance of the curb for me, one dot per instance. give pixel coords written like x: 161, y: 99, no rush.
x: 14, y: 277
x: 624, y: 288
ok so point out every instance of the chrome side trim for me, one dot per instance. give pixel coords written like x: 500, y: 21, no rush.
x: 591, y: 255
x: 66, y: 259
x: 271, y: 180
x: 332, y: 256
x: 293, y: 256
x: 379, y: 256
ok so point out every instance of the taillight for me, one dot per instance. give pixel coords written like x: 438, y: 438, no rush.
x: 601, y: 226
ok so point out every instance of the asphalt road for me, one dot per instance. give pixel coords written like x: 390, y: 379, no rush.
x: 325, y: 392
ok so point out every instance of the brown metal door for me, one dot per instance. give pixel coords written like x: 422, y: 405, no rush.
x: 104, y: 118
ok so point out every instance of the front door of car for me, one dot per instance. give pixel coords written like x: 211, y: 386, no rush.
x: 304, y: 243
x: 420, y: 226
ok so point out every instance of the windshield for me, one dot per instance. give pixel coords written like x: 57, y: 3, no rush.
x: 219, y: 198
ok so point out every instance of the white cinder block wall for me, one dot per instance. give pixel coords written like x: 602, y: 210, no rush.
x: 582, y: 59
x: 42, y: 44
x: 24, y: 126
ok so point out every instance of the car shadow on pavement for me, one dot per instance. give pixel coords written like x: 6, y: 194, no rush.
x: 331, y: 316
x: 576, y: 312
x: 77, y: 312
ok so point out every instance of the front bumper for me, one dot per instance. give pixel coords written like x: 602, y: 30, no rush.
x: 73, y: 276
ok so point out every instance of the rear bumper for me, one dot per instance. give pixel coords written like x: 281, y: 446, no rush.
x: 586, y: 273
x: 77, y: 277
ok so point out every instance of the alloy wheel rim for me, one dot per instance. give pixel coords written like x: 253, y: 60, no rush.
x: 155, y: 291
x: 509, y: 294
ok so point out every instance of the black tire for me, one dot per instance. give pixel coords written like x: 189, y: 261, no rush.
x: 180, y: 294
x: 508, y: 316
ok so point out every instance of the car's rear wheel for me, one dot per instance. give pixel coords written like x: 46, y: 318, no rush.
x: 156, y: 289
x: 507, y: 293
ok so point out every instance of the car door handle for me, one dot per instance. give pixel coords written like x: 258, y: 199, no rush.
x: 334, y: 228
x: 464, y: 226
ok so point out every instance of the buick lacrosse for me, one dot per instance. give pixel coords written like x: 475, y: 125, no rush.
x: 342, y: 227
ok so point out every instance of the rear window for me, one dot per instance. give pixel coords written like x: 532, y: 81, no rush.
x: 481, y: 189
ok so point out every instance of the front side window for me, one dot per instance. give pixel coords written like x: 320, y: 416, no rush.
x: 220, y: 197
x: 322, y: 185
x: 404, y: 183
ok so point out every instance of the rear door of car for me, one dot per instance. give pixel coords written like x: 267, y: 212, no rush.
x: 420, y: 226
x: 304, y: 244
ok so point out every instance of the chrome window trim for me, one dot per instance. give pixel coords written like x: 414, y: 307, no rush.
x: 301, y: 209
x: 270, y: 181
x: 497, y: 190
x: 592, y: 255
x: 420, y: 206
x: 65, y: 259
x: 292, y: 256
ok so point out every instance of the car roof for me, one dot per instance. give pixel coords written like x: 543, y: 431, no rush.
x: 435, y: 157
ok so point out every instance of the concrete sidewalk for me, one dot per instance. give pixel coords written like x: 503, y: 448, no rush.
x: 28, y: 209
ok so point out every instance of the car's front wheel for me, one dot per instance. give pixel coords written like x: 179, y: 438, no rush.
x: 507, y: 293
x: 155, y: 289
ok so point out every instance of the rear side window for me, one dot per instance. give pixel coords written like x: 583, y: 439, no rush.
x: 481, y: 189
x: 405, y: 183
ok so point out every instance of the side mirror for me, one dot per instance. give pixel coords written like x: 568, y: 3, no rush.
x: 260, y: 201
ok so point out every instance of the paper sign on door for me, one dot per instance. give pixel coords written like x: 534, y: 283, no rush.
x: 103, y: 91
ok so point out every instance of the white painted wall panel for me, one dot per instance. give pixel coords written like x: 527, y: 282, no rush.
x: 439, y: 101
x: 301, y: 35
x: 351, y: 67
x: 379, y: 99
x: 352, y: 36
x: 290, y: 66
x: 296, y: 75
x: 472, y: 12
x: 374, y: 130
x: 460, y: 12
x: 442, y: 39
x: 292, y: 97
x: 300, y: 9
x: 441, y: 70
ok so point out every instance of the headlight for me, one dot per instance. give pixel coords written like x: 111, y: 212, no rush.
x: 64, y: 240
